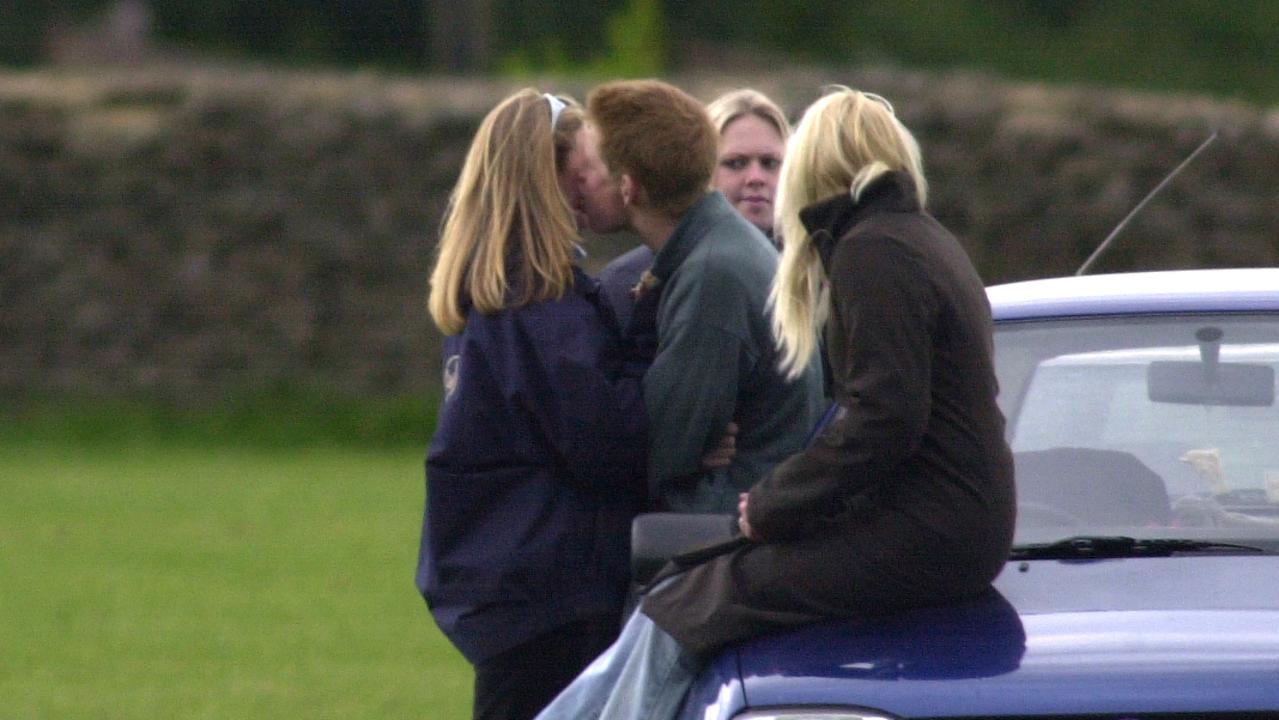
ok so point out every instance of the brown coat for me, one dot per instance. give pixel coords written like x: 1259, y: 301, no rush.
x: 906, y: 498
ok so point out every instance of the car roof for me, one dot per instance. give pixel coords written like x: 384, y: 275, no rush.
x: 1141, y: 293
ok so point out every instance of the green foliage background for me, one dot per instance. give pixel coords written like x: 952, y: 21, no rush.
x: 1225, y: 49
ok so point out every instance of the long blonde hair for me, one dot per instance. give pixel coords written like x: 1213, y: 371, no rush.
x: 507, y: 214
x: 843, y: 143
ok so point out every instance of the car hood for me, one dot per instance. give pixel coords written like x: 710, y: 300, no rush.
x: 1181, y: 634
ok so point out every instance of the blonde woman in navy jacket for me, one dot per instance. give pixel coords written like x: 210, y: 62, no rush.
x: 537, y: 464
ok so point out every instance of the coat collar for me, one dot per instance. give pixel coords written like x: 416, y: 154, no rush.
x: 698, y: 221
x: 828, y: 220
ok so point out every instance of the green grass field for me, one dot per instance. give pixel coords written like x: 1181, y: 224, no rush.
x: 153, y: 582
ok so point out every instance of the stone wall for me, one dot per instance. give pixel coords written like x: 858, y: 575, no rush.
x: 189, y: 232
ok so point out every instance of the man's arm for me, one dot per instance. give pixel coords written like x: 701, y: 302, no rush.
x: 690, y: 392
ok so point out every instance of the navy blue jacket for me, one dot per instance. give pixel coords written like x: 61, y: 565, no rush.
x: 536, y: 469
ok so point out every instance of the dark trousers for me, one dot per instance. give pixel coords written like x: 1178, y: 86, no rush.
x: 517, y: 684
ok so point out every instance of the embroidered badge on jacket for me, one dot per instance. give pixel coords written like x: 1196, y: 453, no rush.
x: 450, y: 375
x: 648, y: 281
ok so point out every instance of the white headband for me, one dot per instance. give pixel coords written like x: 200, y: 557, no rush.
x: 557, y: 107
x: 881, y: 100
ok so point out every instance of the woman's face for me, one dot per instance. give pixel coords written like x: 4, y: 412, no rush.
x: 591, y: 190
x: 569, y: 184
x: 750, y: 156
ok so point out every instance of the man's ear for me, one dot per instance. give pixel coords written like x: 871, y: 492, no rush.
x: 632, y: 192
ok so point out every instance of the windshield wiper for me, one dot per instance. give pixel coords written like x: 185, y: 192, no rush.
x: 1118, y: 546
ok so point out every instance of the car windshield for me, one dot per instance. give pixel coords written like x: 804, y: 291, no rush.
x: 1143, y: 426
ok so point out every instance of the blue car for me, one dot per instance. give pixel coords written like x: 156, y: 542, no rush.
x: 1144, y: 582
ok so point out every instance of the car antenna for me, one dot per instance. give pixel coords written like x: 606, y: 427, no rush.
x: 1118, y: 228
